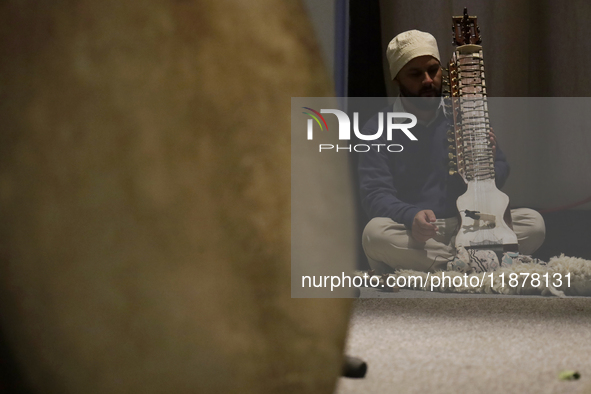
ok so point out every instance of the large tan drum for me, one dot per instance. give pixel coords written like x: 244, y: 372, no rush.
x: 145, y: 198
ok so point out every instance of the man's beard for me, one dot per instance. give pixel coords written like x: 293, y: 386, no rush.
x: 421, y: 102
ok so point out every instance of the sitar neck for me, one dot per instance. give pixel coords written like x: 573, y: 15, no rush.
x: 473, y: 158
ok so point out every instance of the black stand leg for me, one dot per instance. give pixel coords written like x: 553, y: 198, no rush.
x: 354, y: 367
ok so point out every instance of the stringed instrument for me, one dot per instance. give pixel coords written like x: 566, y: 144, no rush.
x: 484, y: 209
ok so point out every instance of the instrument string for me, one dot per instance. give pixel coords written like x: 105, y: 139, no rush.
x: 478, y: 157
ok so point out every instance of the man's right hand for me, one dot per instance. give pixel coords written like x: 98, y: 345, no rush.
x: 422, y: 225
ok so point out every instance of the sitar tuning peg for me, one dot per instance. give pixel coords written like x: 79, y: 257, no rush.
x: 452, y: 171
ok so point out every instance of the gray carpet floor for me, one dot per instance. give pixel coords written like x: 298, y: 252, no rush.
x: 454, y: 344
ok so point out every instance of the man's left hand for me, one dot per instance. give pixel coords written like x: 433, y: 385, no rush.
x: 493, y: 142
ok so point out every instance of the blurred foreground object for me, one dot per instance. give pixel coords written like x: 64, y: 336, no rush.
x: 145, y: 198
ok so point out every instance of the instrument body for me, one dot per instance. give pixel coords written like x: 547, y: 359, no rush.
x: 484, y: 210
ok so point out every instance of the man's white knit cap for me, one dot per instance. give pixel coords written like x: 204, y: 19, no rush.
x: 408, y: 45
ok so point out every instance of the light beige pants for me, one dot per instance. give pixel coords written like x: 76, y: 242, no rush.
x: 389, y: 245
